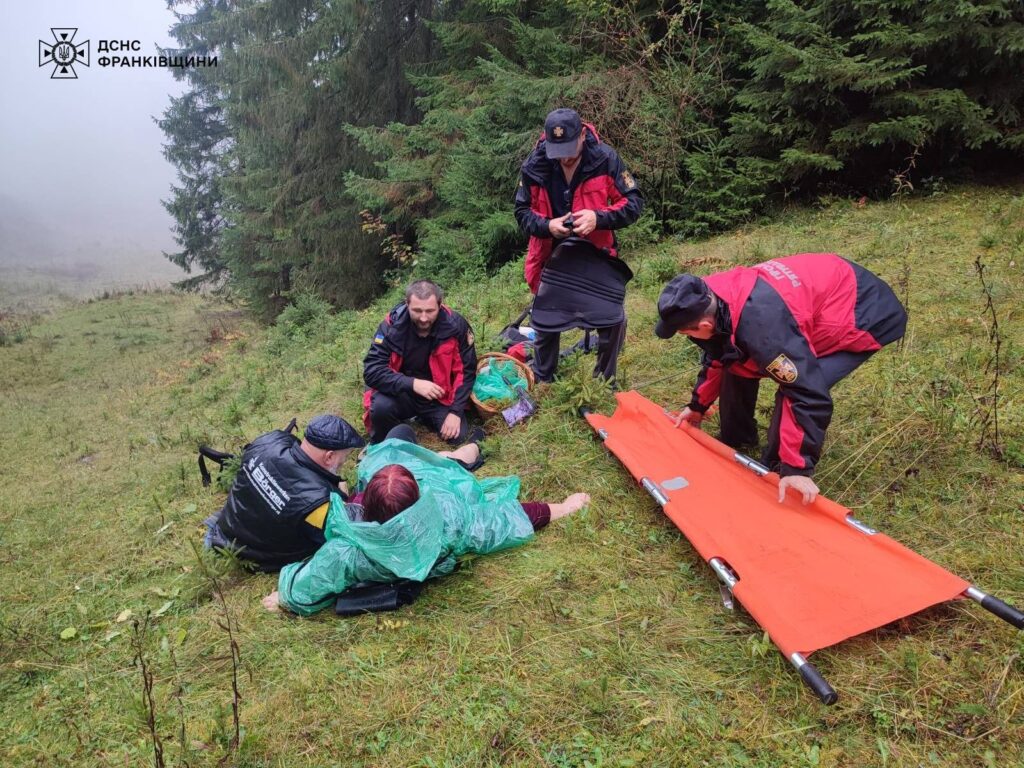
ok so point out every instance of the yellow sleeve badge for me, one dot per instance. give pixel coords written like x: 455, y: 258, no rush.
x: 628, y: 181
x: 782, y: 369
x: 318, y: 516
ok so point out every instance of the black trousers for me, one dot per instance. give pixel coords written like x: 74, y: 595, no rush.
x: 609, y: 344
x: 737, y: 399
x: 388, y: 411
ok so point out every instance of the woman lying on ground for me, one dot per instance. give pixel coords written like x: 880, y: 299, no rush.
x: 417, y: 514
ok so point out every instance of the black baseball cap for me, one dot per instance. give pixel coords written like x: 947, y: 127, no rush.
x: 333, y: 433
x: 561, y: 130
x: 682, y: 302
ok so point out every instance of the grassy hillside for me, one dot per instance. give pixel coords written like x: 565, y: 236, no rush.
x: 603, y: 642
x: 44, y: 285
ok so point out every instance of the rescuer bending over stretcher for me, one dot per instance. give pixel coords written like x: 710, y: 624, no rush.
x: 805, y: 321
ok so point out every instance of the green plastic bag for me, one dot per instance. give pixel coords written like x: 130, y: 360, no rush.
x: 499, y: 380
x: 457, y: 514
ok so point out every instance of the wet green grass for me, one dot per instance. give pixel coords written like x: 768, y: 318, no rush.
x: 603, y: 642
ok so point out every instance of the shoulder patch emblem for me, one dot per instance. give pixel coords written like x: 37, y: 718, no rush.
x: 782, y: 369
x: 470, y: 341
x: 627, y: 180
x: 378, y: 339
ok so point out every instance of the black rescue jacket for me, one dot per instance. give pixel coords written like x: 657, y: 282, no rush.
x: 276, y: 489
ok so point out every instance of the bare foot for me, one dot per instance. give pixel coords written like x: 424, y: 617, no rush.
x: 271, y: 602
x: 467, y: 453
x: 573, y: 503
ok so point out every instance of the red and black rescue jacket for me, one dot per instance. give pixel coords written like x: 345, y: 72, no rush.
x: 601, y: 183
x: 452, y: 358
x: 784, y: 315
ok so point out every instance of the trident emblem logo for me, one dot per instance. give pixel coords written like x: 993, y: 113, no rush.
x: 63, y: 53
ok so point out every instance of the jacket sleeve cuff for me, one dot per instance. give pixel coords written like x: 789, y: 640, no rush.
x: 602, y: 220
x: 789, y: 471
x: 696, y: 406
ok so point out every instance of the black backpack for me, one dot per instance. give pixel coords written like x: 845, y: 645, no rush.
x: 222, y: 457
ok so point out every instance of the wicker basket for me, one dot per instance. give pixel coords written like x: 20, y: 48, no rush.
x: 485, y: 410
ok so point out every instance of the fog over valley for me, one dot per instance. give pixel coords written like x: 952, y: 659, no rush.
x: 81, y: 166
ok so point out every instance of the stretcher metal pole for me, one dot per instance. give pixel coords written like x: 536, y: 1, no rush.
x: 653, y: 489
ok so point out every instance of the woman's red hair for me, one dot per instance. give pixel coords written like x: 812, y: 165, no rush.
x: 390, y: 491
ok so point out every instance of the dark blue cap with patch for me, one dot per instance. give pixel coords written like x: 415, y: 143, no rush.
x: 561, y: 130
x: 333, y: 433
x: 682, y: 302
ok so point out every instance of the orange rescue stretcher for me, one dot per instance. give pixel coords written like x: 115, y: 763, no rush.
x: 810, y: 576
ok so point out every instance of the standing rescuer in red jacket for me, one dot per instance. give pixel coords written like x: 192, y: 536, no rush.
x: 805, y: 321
x: 422, y: 362
x: 573, y: 185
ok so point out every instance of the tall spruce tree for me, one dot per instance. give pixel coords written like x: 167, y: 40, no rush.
x: 200, y: 147
x: 291, y: 75
x: 860, y: 91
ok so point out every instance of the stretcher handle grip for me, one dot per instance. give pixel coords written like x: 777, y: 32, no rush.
x: 818, y: 684
x: 1004, y: 611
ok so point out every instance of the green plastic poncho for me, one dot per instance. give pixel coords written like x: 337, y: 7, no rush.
x: 499, y: 380
x: 456, y: 514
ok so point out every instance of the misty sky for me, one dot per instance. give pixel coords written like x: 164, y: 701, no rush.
x: 82, y: 158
